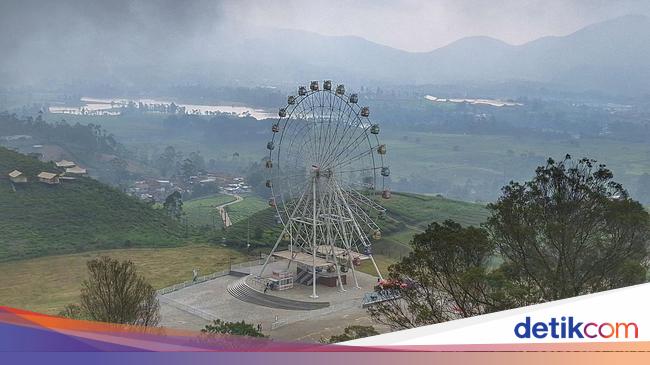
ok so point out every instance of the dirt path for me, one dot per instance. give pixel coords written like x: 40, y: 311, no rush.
x: 223, y: 213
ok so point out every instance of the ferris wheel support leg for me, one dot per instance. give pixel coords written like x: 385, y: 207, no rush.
x: 376, y: 267
x: 290, y: 249
x: 334, y: 257
x: 359, y: 232
x: 354, y: 272
x: 347, y: 244
x: 313, y: 243
x: 275, y: 247
x: 336, y: 264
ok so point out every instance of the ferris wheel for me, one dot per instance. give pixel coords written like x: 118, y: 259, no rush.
x: 326, y: 171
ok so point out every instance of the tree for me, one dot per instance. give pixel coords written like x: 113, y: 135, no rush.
x: 167, y: 162
x: 569, y: 231
x: 232, y: 328
x: 352, y: 333
x: 118, y: 170
x: 73, y: 311
x: 173, y: 205
x: 115, y: 293
x: 197, y: 160
x: 445, y: 277
x: 188, y: 168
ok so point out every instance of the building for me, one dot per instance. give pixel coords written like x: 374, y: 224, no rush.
x: 75, y: 171
x: 48, y: 178
x: 65, y: 164
x: 17, y: 177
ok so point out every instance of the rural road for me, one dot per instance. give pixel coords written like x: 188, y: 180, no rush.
x: 238, y: 199
x: 225, y: 218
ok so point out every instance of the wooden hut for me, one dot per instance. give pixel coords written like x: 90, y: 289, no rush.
x: 48, y: 178
x: 65, y: 164
x: 75, y: 171
x: 17, y: 177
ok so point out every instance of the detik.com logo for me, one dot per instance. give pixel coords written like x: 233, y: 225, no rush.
x: 568, y: 327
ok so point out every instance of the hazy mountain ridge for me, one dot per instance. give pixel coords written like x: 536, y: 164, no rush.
x: 611, y: 56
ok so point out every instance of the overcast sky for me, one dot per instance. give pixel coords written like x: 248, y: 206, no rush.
x: 425, y: 25
x: 413, y: 25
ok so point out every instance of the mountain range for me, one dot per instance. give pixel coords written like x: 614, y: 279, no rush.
x: 611, y: 57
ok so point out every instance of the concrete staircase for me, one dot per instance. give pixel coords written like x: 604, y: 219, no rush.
x: 240, y: 290
x: 304, y: 278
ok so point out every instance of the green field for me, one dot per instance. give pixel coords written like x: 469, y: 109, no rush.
x: 202, y: 211
x: 407, y: 214
x: 420, y: 210
x: 246, y: 208
x: 47, y: 284
x: 436, y: 162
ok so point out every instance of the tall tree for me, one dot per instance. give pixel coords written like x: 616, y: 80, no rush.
x: 571, y: 230
x: 174, y: 205
x: 188, y: 168
x: 445, y: 277
x: 115, y: 293
x: 168, y: 161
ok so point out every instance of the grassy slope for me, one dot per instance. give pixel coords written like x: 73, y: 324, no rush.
x: 246, y: 208
x: 406, y: 215
x: 200, y: 211
x: 74, y: 216
x: 420, y: 210
x: 47, y: 284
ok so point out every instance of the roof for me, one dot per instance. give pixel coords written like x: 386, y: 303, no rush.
x: 46, y: 175
x: 65, y: 163
x: 15, y: 173
x: 75, y: 170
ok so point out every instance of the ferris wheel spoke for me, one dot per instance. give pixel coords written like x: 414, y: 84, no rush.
x: 352, y: 144
x: 325, y: 118
x: 353, y: 131
x: 349, y: 125
x: 312, y: 108
x: 354, y: 158
x: 309, y: 138
x: 339, y: 114
x: 367, y: 169
x: 336, y: 105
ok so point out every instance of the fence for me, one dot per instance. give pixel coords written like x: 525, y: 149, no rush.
x: 247, y: 264
x: 253, y: 263
x: 198, y: 280
x: 214, y: 275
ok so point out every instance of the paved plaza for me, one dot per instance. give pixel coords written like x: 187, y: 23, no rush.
x: 195, y: 306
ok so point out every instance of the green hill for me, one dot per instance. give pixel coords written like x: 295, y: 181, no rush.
x: 38, y: 219
x: 406, y: 215
x: 420, y: 210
